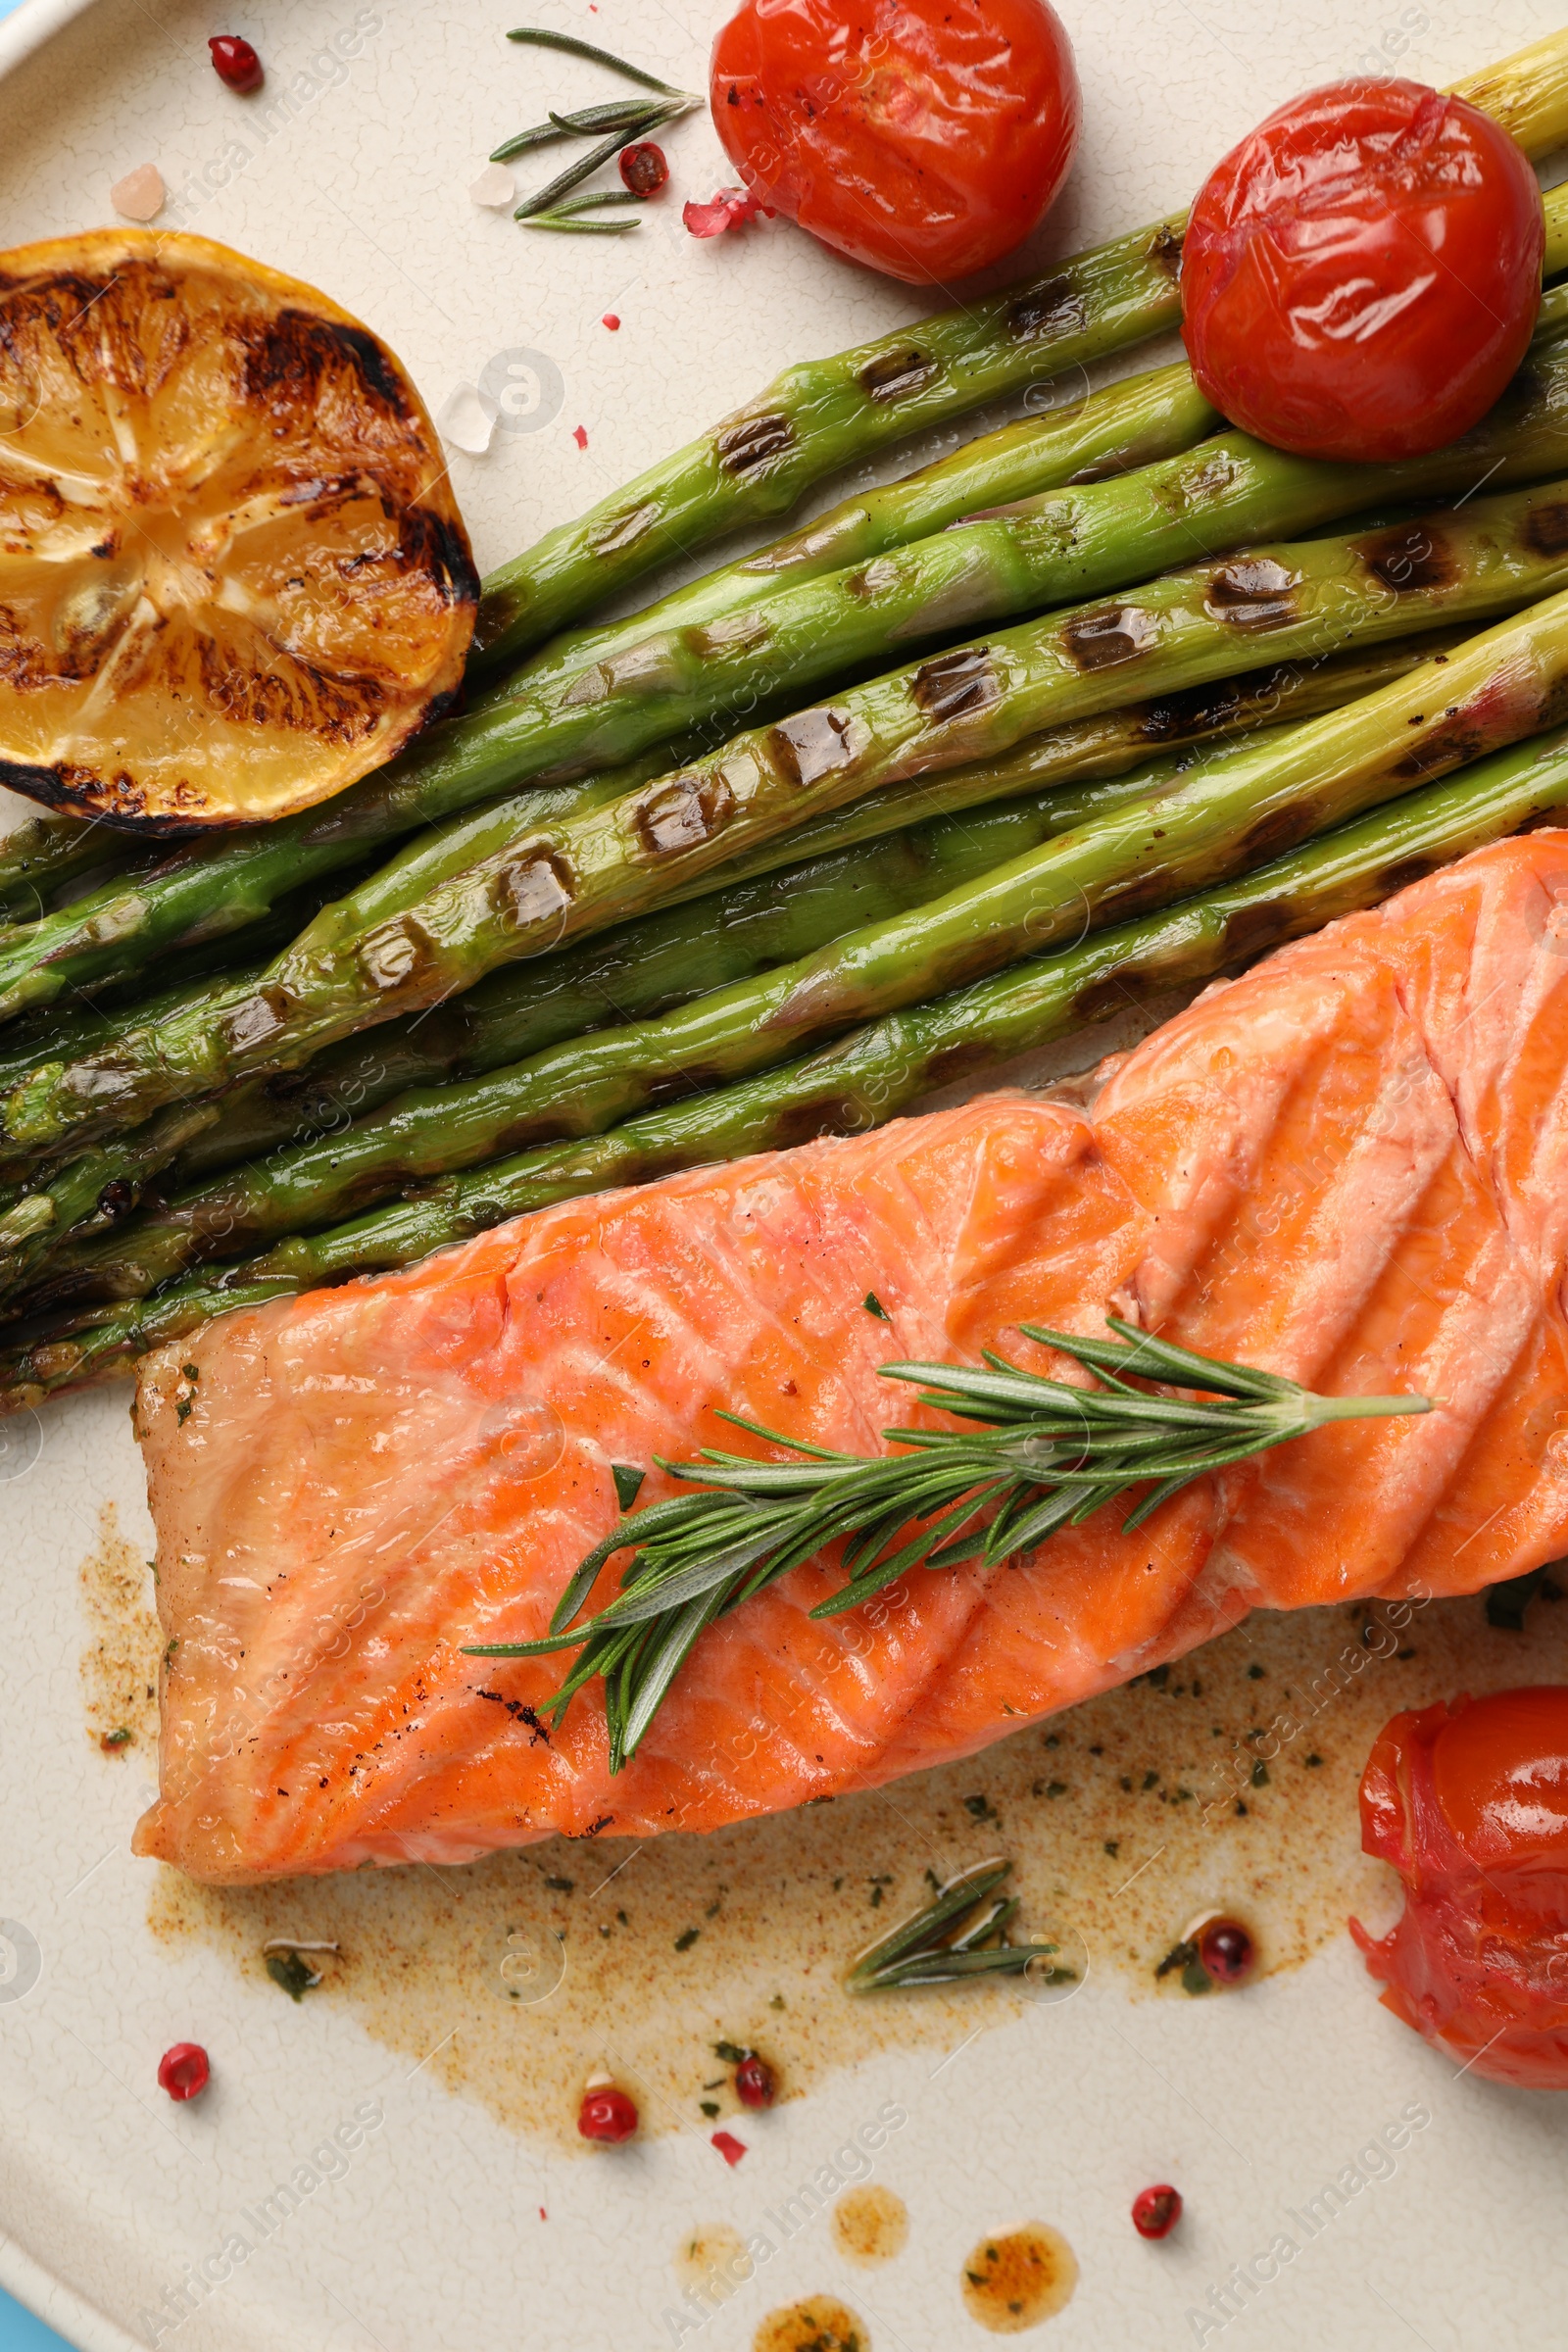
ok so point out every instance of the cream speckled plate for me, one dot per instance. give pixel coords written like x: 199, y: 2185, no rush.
x: 415, y: 2220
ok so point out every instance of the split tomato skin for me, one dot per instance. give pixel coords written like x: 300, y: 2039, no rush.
x: 1469, y: 1802
x: 1361, y: 275
x: 923, y: 138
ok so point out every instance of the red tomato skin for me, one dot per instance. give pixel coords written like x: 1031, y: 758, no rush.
x: 923, y: 138
x: 1361, y: 275
x: 1469, y: 1802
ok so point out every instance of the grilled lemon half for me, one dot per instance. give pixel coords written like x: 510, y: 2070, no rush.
x: 233, y: 576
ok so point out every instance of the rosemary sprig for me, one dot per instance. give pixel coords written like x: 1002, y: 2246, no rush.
x: 1050, y: 1457
x: 626, y: 120
x: 537, y: 37
x: 956, y: 1937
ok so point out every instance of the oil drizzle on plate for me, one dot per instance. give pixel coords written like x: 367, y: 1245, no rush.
x: 871, y: 2224
x: 712, y: 2259
x: 822, y: 2323
x: 120, y: 1662
x: 1227, y: 1782
x: 1015, y: 2281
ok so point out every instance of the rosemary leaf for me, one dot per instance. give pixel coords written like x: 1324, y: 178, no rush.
x: 583, y: 228
x: 596, y: 202
x: 623, y: 115
x: 536, y: 37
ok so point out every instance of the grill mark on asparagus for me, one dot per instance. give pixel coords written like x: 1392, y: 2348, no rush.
x: 1115, y: 634
x: 1252, y: 930
x: 897, y: 374
x: 1409, y: 555
x: 620, y: 532
x: 1281, y: 829
x: 809, y: 1122
x: 1405, y: 870
x: 263, y: 1013
x: 1253, y: 593
x: 688, y: 810
x: 956, y: 685
x: 955, y: 1063
x: 1055, y: 307
x: 1546, y: 528
x: 810, y: 744
x: 752, y: 442
x: 533, y: 887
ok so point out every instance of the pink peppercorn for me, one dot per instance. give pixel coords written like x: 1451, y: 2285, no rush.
x: 184, y: 2071
x: 236, y: 61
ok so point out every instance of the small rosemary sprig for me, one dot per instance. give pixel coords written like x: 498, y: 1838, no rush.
x: 1051, y: 1455
x: 626, y: 120
x: 961, y: 1934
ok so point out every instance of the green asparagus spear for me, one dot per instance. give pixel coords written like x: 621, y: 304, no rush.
x: 1055, y: 549
x: 580, y: 1085
x: 1065, y: 545
x: 1309, y: 597
x: 1125, y: 426
x: 826, y: 414
x: 603, y: 688
x: 222, y: 884
x: 663, y: 958
x: 975, y: 892
x: 873, y: 1073
x: 644, y: 969
x: 1291, y: 691
x: 698, y: 943
x: 223, y: 888
x: 1131, y: 423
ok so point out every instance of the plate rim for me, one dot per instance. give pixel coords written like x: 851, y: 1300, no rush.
x: 36, y: 22
x: 21, y: 2275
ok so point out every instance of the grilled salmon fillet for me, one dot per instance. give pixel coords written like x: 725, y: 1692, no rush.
x: 1349, y: 1167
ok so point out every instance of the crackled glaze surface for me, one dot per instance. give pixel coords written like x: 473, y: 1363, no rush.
x: 427, y: 2208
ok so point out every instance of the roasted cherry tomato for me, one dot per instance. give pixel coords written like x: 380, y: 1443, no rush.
x: 1470, y: 1805
x: 923, y: 137
x: 1361, y: 275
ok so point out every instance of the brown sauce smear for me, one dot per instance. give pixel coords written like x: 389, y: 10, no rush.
x: 822, y: 2323
x: 712, y: 2259
x: 120, y: 1662
x: 1015, y: 2281
x: 871, y: 2224
x: 1228, y: 1783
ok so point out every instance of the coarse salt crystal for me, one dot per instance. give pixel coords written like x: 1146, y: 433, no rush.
x: 467, y: 421
x: 139, y: 196
x: 494, y: 187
